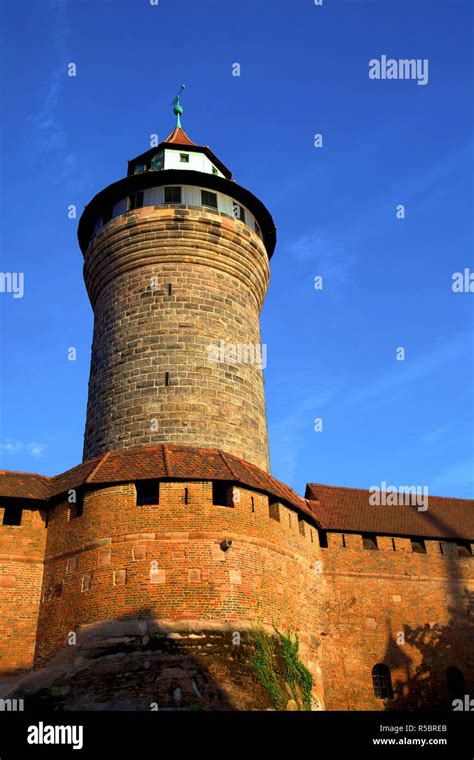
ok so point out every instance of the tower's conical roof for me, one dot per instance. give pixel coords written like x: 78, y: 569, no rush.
x: 178, y: 137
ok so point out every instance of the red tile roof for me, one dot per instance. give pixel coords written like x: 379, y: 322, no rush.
x: 140, y: 463
x: 179, y: 137
x: 348, y: 509
x: 24, y: 485
x: 333, y: 508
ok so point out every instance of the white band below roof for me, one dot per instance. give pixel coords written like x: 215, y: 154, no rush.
x: 190, y: 196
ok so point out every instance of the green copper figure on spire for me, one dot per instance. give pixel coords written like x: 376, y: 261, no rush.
x: 177, y: 108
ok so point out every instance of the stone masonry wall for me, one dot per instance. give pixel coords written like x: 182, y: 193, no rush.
x: 165, y: 284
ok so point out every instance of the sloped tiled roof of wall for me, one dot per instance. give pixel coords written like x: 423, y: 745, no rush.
x: 332, y: 507
x: 348, y: 509
x: 26, y: 485
x: 141, y: 463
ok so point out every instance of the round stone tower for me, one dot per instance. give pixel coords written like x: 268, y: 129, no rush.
x: 177, y: 268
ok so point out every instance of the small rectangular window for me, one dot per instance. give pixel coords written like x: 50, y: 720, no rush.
x: 274, y: 509
x: 77, y: 507
x: 148, y: 492
x: 214, y: 170
x: 172, y: 195
x: 157, y: 162
x: 464, y: 548
x: 222, y: 493
x: 323, y: 538
x: 257, y: 229
x: 301, y: 526
x: 12, y: 515
x: 135, y: 201
x: 238, y: 212
x: 369, y: 541
x: 208, y: 199
x: 184, y: 158
x: 418, y: 545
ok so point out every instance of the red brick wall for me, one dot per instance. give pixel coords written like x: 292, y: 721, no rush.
x: 21, y: 570
x: 268, y: 575
x: 349, y: 605
x: 371, y: 597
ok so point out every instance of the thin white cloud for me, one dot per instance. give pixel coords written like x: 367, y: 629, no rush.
x: 34, y: 449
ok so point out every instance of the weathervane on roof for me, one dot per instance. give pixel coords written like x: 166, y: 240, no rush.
x: 177, y: 107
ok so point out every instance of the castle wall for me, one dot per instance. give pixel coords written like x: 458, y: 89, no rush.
x: 413, y: 612
x: 120, y: 561
x: 21, y: 570
x: 165, y: 285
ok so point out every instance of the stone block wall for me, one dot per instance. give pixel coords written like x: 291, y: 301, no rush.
x: 166, y: 285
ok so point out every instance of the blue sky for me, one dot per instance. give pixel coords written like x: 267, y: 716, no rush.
x: 387, y: 281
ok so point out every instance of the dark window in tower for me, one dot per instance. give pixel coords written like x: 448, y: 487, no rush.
x: 184, y: 158
x: 301, y: 526
x: 464, y: 548
x: 107, y: 215
x: 186, y: 495
x: 157, y: 161
x: 172, y: 195
x: 455, y: 683
x: 148, y: 492
x: 323, y: 538
x: 214, y: 170
x: 274, y: 508
x: 12, y: 515
x: 135, y: 201
x: 238, y: 212
x: 257, y: 229
x: 208, y: 199
x: 222, y: 493
x: 77, y: 506
x: 418, y: 545
x: 369, y: 541
x: 382, y: 681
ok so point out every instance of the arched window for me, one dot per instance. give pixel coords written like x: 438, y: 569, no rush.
x: 455, y: 683
x: 382, y: 681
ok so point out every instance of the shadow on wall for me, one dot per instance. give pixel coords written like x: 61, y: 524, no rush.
x: 142, y: 665
x: 445, y: 659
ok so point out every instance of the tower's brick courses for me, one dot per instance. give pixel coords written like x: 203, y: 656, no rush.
x: 165, y: 285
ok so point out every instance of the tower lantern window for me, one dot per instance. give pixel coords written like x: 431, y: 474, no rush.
x: 184, y: 158
x: 172, y: 195
x: 238, y: 212
x: 107, y: 215
x: 208, y: 199
x: 135, y: 201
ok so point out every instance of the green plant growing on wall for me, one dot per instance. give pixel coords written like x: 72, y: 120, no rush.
x: 297, y: 674
x: 277, y: 662
x: 263, y: 660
